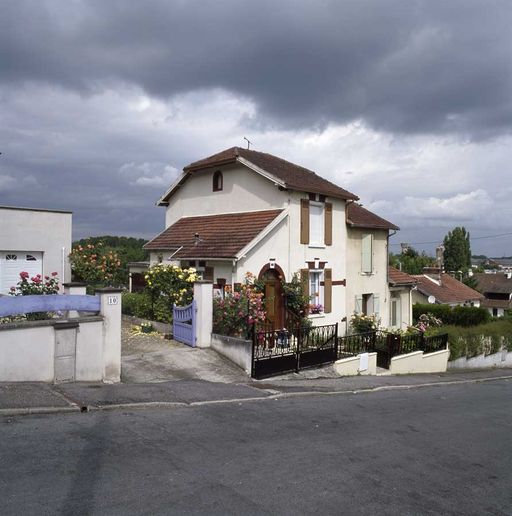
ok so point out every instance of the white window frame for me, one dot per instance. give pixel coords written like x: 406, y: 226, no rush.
x: 317, y: 240
x: 396, y: 301
x: 316, y: 296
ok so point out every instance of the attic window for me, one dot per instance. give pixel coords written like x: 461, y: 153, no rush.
x: 217, y: 181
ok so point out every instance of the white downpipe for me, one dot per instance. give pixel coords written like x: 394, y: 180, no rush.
x: 63, y: 267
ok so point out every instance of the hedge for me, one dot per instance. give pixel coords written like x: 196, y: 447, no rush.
x: 456, y: 316
x: 472, y: 341
x: 139, y: 305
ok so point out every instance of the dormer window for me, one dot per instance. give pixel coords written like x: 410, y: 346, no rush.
x: 217, y: 181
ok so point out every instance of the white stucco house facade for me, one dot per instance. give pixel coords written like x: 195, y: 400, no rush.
x: 243, y: 211
x: 33, y: 240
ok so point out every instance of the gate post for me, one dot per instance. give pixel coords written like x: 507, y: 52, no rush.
x: 203, y: 323
x: 74, y: 288
x: 110, y: 298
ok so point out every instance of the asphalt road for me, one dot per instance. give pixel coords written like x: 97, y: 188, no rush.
x: 437, y: 450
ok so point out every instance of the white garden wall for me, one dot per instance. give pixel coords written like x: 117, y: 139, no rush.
x: 418, y: 362
x: 357, y: 365
x: 502, y: 358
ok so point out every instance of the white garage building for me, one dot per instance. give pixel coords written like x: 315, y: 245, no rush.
x: 33, y: 240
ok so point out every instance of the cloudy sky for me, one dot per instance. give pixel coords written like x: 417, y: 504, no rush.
x: 406, y: 103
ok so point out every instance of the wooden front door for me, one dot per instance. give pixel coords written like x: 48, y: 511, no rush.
x: 274, y: 305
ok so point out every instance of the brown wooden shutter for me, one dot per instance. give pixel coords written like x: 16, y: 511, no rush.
x: 327, y: 291
x: 304, y: 279
x: 304, y: 221
x: 328, y: 224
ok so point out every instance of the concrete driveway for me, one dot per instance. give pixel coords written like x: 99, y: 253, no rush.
x: 151, y: 358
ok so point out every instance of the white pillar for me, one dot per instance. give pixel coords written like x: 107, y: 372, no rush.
x: 111, y: 311
x: 74, y: 288
x: 203, y: 296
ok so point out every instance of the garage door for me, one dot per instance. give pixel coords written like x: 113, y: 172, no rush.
x: 14, y: 262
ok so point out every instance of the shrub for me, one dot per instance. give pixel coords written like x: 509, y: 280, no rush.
x: 237, y: 312
x: 472, y: 341
x: 36, y: 286
x: 136, y: 304
x: 456, y: 316
x: 96, y: 265
x: 141, y: 305
x: 361, y: 323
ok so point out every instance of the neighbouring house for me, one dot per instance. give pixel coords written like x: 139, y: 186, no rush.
x: 367, y: 263
x: 497, y: 289
x: 434, y: 286
x: 33, y: 240
x: 242, y: 211
x: 136, y: 273
x: 401, y: 286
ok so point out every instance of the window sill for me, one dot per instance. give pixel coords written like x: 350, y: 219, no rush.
x: 316, y: 316
x: 317, y: 246
x: 367, y: 273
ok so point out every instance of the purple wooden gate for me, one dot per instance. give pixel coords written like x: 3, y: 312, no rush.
x: 184, y: 324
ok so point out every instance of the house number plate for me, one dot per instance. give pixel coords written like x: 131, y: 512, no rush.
x: 113, y: 300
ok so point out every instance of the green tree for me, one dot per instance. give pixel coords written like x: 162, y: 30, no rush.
x: 411, y: 262
x: 457, y: 251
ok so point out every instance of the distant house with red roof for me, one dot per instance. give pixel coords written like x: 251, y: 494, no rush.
x: 242, y: 211
x: 434, y: 286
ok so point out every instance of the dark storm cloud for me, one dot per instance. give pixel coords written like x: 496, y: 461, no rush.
x: 401, y: 66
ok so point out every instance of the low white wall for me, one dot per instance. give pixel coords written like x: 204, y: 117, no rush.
x: 351, y: 366
x: 500, y: 359
x: 27, y: 355
x: 237, y: 350
x: 418, y: 362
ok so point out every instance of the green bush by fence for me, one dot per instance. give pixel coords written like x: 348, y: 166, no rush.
x: 456, y: 316
x: 140, y: 305
x: 472, y: 341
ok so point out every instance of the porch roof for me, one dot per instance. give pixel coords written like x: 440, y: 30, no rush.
x: 359, y: 217
x: 213, y: 236
x: 399, y: 278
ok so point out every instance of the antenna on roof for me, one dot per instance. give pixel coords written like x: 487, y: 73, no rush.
x: 249, y: 143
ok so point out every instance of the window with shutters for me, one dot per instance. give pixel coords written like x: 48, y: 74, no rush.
x: 316, y: 223
x: 366, y: 253
x: 368, y: 304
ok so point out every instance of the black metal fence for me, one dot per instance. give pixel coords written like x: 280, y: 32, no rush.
x: 286, y: 350
x: 387, y: 345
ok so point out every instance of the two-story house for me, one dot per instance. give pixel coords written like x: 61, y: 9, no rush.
x: 367, y: 287
x: 243, y: 211
x: 497, y: 289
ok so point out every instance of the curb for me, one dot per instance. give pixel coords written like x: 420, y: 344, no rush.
x: 275, y: 397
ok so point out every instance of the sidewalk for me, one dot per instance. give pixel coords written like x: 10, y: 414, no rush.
x: 41, y: 398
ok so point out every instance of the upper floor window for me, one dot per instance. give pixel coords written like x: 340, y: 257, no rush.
x: 366, y: 253
x: 315, y: 222
x: 217, y: 181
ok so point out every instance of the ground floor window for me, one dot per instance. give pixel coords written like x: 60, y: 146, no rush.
x: 367, y: 304
x: 316, y: 291
x: 395, y: 310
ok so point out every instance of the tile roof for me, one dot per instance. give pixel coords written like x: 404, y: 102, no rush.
x: 359, y: 217
x: 449, y: 291
x: 294, y: 176
x: 496, y: 283
x: 220, y: 236
x: 397, y: 277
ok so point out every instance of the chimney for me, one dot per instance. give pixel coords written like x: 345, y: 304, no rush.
x: 196, y: 239
x: 433, y: 273
x: 404, y: 247
x: 440, y: 257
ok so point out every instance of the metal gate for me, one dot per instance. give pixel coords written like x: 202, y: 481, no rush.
x: 184, y: 324
x: 282, y: 351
